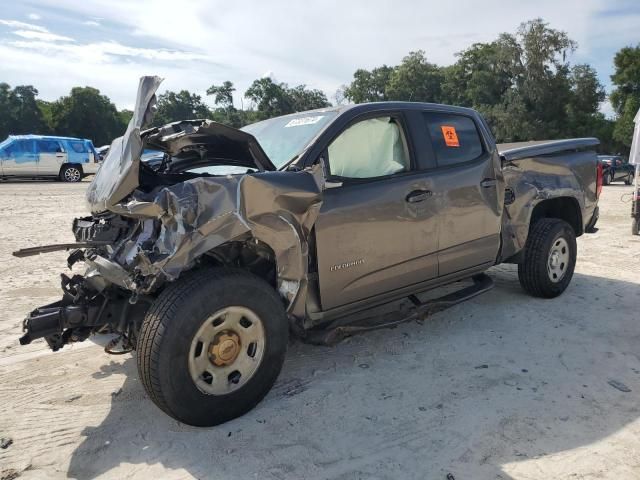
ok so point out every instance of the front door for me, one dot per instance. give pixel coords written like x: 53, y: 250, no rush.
x: 378, y: 225
x: 51, y: 157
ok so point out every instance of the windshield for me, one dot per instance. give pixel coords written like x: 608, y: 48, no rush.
x: 284, y: 138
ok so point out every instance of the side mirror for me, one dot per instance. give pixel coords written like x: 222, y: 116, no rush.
x: 327, y: 174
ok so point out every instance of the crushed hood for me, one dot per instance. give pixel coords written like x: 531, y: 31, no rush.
x: 191, y: 143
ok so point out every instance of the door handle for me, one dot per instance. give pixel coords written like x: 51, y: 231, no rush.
x: 60, y: 155
x: 418, y: 196
x: 488, y: 183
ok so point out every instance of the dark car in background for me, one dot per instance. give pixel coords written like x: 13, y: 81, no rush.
x: 616, y: 168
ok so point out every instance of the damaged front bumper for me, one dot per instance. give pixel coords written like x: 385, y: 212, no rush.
x: 78, y: 315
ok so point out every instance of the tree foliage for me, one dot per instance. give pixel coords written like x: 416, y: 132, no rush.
x: 625, y: 99
x: 273, y: 99
x: 86, y: 113
x: 182, y: 105
x: 19, y: 111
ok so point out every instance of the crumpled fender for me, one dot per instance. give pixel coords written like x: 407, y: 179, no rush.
x: 198, y: 215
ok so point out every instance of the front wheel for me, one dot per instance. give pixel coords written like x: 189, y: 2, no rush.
x: 212, y: 345
x: 549, y: 258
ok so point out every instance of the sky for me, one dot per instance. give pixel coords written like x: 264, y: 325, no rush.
x: 108, y: 44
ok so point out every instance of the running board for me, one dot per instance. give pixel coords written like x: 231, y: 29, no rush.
x: 332, y: 335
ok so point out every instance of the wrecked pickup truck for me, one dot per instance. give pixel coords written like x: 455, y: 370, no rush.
x: 206, y: 262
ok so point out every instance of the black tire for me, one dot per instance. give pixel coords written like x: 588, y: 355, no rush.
x: 70, y: 173
x: 172, y: 322
x: 629, y: 180
x: 534, y: 277
x: 606, y: 179
x: 635, y: 226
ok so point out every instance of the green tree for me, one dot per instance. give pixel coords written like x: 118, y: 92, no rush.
x: 369, y: 86
x: 182, y: 105
x: 625, y: 98
x: 416, y: 80
x: 223, y: 94
x: 586, y: 95
x: 85, y: 113
x: 19, y: 111
x: 273, y: 99
x: 303, y: 98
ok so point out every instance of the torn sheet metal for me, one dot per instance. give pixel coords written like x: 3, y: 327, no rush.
x: 197, y: 215
x: 118, y: 174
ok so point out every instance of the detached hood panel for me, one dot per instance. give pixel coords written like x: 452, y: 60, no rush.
x: 190, y: 143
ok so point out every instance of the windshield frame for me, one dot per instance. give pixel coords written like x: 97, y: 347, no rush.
x: 331, y: 112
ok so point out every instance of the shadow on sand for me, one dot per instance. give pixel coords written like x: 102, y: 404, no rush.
x: 501, y: 379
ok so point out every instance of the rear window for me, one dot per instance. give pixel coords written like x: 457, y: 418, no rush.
x: 455, y: 138
x: 78, y: 147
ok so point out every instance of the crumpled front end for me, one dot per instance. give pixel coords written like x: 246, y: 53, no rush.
x: 149, y: 226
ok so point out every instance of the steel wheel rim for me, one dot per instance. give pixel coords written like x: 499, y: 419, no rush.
x: 227, y: 350
x: 72, y: 174
x: 558, y: 261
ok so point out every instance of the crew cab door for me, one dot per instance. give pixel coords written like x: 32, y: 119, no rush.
x: 468, y: 182
x: 51, y: 156
x: 377, y: 227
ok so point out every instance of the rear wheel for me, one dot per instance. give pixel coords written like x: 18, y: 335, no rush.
x: 212, y: 345
x: 635, y: 226
x: 629, y: 179
x: 70, y: 173
x: 549, y: 258
x: 607, y: 178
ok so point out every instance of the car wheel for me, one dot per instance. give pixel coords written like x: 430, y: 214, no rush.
x: 549, y: 258
x: 635, y: 226
x: 608, y: 179
x: 629, y: 180
x: 71, y: 174
x: 212, y: 345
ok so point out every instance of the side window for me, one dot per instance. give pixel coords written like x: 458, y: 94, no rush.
x: 48, y: 146
x: 78, y: 147
x: 455, y: 138
x: 13, y: 149
x: 20, y: 147
x: 371, y: 148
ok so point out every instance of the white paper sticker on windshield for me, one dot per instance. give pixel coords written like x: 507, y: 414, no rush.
x: 297, y: 122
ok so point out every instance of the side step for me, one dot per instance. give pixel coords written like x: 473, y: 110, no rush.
x: 332, y: 335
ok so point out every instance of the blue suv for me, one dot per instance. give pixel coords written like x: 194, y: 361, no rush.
x: 64, y: 158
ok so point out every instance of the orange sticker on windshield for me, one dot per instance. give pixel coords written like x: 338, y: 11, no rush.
x: 450, y: 136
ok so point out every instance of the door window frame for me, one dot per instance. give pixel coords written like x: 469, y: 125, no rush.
x: 402, y: 122
x: 483, y: 141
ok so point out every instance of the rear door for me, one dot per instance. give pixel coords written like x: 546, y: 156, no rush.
x: 51, y: 156
x: 378, y: 225
x: 468, y: 181
x: 20, y: 158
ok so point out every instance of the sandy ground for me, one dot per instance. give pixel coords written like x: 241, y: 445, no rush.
x: 504, y: 386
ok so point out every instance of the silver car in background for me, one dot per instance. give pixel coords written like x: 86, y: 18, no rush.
x: 31, y: 156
